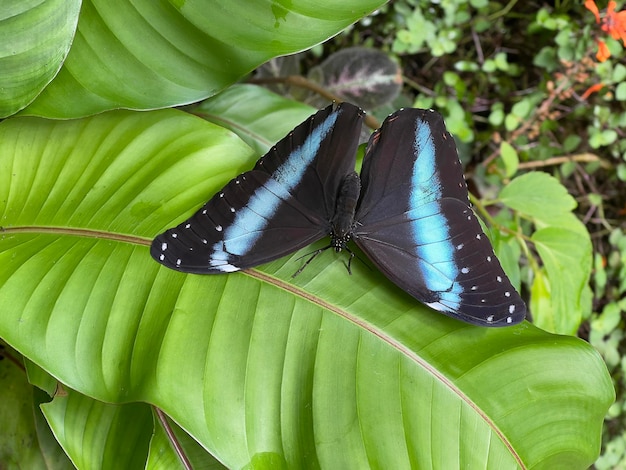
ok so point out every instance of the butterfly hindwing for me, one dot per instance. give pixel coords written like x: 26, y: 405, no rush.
x: 284, y: 203
x: 414, y: 222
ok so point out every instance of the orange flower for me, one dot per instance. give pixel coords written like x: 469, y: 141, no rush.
x: 591, y: 5
x: 615, y: 23
x: 603, y: 51
x: 612, y: 22
x: 592, y: 89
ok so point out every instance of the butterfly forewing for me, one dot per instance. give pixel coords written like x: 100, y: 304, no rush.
x: 284, y: 203
x: 414, y: 222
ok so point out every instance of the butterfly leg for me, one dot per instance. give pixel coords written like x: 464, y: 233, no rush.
x: 348, y: 265
x: 306, y: 263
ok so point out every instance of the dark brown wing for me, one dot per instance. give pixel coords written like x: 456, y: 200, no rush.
x: 284, y: 203
x: 415, y: 223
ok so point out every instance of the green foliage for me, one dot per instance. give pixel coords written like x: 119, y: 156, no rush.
x: 607, y: 336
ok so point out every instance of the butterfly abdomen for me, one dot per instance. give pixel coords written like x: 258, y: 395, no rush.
x: 343, y: 220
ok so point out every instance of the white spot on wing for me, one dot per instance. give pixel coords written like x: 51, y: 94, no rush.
x: 163, y: 246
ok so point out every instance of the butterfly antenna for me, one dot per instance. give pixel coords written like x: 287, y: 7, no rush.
x: 313, y: 254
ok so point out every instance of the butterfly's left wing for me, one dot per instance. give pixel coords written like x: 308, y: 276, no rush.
x: 284, y: 203
x: 414, y: 222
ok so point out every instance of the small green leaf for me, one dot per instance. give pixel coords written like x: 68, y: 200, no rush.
x: 567, y: 260
x: 540, y: 295
x: 547, y: 59
x: 595, y: 199
x: 608, y: 320
x: 496, y: 117
x: 466, y: 66
x: 509, y: 157
x: 511, y: 122
x: 522, y: 108
x: 619, y: 73
x: 571, y: 142
x: 537, y: 195
x: 501, y: 61
x: 620, y: 92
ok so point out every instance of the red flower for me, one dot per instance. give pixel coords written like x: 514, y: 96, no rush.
x: 612, y: 22
x: 603, y: 51
x: 592, y: 89
x: 615, y: 23
x: 591, y: 5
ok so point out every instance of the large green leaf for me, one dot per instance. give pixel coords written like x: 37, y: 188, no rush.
x: 326, y: 370
x: 35, y: 37
x: 231, y: 109
x: 150, y: 54
x: 561, y: 298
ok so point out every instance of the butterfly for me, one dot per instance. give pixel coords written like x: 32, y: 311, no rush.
x: 408, y: 211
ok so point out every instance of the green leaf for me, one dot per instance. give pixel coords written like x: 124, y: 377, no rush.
x: 509, y: 157
x: 162, y: 453
x: 620, y: 92
x: 508, y: 252
x: 537, y: 195
x: 567, y: 259
x: 19, y: 446
x: 53, y: 453
x: 35, y: 37
x: 327, y: 370
x: 147, y: 54
x: 231, y: 109
x: 100, y: 435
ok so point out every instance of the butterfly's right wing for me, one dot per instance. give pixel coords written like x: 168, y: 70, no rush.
x: 284, y: 203
x: 414, y: 222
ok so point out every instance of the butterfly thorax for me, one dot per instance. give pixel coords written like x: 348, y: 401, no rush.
x: 343, y: 220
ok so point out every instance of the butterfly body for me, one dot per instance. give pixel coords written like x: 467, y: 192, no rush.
x: 408, y: 211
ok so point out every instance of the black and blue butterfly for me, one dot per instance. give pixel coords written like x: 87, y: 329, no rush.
x: 408, y: 211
